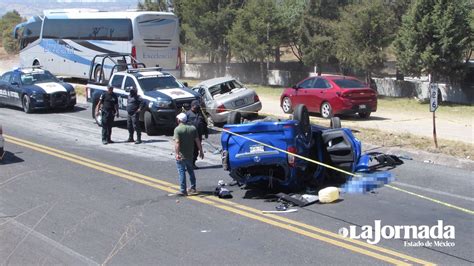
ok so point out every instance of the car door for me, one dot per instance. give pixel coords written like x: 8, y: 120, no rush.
x: 117, y: 82
x: 4, y: 84
x: 14, y: 90
x: 320, y: 92
x: 302, y: 91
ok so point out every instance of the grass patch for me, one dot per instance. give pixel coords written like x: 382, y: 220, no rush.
x: 412, y: 105
x: 80, y: 90
x: 409, y: 141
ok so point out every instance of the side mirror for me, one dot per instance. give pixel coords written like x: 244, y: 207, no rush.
x: 295, y: 87
x: 14, y: 83
x: 128, y: 89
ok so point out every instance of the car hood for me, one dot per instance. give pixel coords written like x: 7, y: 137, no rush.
x: 47, y: 87
x: 171, y: 94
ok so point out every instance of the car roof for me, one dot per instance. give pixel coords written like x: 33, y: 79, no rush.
x: 29, y: 70
x: 211, y: 82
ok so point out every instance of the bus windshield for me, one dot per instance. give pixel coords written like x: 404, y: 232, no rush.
x: 158, y: 82
x: 38, y: 77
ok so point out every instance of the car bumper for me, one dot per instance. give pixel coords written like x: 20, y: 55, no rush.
x: 248, y: 110
x: 49, y: 102
x: 352, y: 108
x: 164, y: 117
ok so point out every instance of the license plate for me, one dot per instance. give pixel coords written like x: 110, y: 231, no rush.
x: 256, y: 149
x: 362, y: 106
x: 239, y: 102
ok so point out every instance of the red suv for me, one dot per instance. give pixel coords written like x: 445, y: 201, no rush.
x: 330, y: 95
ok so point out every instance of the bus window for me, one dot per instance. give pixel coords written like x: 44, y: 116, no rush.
x: 157, y: 28
x: 88, y: 29
x: 29, y: 31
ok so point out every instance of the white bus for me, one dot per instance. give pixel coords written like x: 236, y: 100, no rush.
x: 65, y: 41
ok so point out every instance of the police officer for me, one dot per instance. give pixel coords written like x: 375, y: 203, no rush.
x: 194, y: 117
x: 108, y: 103
x: 134, y: 106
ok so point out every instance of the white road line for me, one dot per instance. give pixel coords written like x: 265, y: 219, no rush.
x: 433, y: 191
x: 52, y: 242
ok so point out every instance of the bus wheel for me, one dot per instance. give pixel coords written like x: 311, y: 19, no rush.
x: 36, y: 63
x: 98, y: 74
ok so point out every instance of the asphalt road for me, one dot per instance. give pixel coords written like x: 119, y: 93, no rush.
x: 67, y: 199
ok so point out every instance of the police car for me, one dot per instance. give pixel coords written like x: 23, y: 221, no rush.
x: 34, y: 88
x: 163, y: 94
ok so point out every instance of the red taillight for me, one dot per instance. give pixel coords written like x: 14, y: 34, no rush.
x: 134, y: 57
x: 256, y: 99
x: 220, y: 108
x: 291, y: 158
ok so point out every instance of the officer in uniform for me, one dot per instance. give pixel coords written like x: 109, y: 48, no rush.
x: 134, y: 106
x: 108, y: 103
x: 195, y: 118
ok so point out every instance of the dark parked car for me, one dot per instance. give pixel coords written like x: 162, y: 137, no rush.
x: 331, y: 95
x: 32, y: 87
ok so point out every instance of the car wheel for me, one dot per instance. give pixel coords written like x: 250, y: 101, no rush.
x: 210, y: 121
x: 97, y: 74
x: 286, y: 105
x: 335, y: 122
x: 364, y: 114
x: 26, y: 102
x: 234, y: 118
x: 301, y: 114
x: 326, y: 110
x: 150, y: 128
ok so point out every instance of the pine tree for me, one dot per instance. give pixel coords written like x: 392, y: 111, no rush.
x: 434, y: 38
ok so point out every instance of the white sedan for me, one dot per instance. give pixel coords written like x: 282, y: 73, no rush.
x: 223, y: 95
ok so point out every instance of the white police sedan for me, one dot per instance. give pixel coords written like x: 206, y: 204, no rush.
x: 34, y: 88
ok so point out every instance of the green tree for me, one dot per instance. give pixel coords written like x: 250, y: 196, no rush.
x: 205, y: 25
x: 364, y: 31
x: 316, y: 34
x: 255, y: 32
x: 153, y: 5
x: 7, y: 24
x: 434, y: 38
x: 290, y: 14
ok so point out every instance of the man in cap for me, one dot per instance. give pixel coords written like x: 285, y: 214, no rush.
x: 196, y: 119
x: 186, y: 137
x: 108, y: 104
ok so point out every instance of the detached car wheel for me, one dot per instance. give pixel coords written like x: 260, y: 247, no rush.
x: 301, y: 114
x: 364, y: 114
x: 326, y: 110
x: 26, y: 102
x: 286, y: 105
x: 234, y: 118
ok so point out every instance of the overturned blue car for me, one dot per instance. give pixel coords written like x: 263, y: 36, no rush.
x: 261, y: 152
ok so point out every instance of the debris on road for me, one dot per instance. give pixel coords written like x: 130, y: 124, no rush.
x: 328, y: 195
x: 285, y: 211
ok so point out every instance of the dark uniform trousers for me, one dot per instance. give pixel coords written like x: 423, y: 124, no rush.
x: 133, y: 123
x: 107, y: 123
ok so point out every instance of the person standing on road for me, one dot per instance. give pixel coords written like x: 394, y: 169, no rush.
x: 108, y: 104
x: 186, y: 137
x: 135, y: 105
x: 196, y: 119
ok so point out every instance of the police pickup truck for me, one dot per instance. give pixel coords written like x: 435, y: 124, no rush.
x: 164, y: 96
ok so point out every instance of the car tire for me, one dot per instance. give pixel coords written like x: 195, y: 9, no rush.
x: 26, y: 103
x: 286, y: 105
x: 301, y: 114
x: 326, y: 110
x: 210, y: 121
x: 150, y: 127
x: 335, y: 122
x: 234, y: 118
x: 36, y: 63
x: 364, y: 115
